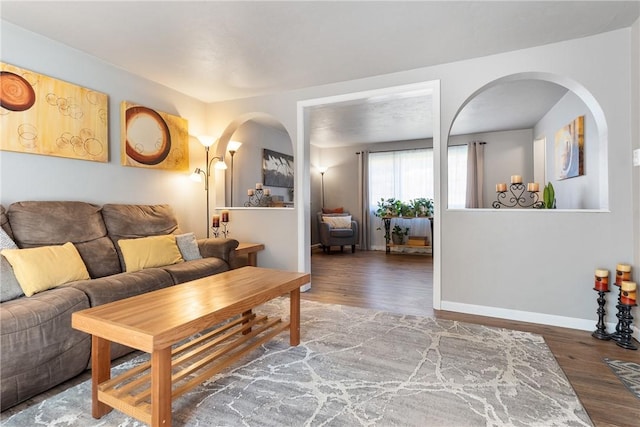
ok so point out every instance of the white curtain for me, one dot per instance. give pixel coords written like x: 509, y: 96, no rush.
x: 475, y: 174
x: 363, y: 200
x: 403, y: 175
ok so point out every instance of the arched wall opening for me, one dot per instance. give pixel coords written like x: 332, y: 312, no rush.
x: 510, y: 149
x: 255, y: 132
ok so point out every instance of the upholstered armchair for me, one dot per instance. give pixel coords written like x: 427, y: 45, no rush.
x: 337, y: 229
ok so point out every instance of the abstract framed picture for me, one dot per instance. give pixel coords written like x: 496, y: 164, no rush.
x: 569, y: 150
x: 277, y: 169
x: 153, y: 139
x: 51, y: 117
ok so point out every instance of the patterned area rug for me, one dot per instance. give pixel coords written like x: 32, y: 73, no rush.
x: 359, y: 367
x: 628, y: 373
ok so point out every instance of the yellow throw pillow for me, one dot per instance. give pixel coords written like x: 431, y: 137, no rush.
x: 39, y: 269
x: 147, y: 252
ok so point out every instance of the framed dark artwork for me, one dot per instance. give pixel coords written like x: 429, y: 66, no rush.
x: 277, y: 169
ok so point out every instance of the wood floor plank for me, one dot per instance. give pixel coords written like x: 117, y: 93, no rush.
x: 403, y: 283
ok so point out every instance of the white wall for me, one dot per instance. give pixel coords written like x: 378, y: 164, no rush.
x: 635, y: 141
x: 588, y: 191
x: 341, y: 179
x: 506, y: 153
x: 34, y: 177
x: 526, y: 264
x: 247, y: 161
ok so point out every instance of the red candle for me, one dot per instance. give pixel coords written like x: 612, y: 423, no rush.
x: 623, y: 273
x: 225, y: 216
x: 602, y: 280
x: 216, y: 221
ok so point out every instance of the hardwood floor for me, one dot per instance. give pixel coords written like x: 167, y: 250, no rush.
x: 403, y: 284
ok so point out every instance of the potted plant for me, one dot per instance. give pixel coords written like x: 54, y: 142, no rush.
x: 422, y: 207
x: 398, y: 234
x: 388, y: 208
x: 385, y: 208
x: 549, y: 197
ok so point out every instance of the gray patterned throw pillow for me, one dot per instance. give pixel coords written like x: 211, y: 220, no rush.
x: 188, y: 246
x: 9, y: 286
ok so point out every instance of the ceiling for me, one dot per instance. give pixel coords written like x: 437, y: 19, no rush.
x: 216, y: 51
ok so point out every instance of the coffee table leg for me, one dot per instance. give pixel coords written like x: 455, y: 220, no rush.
x: 248, y: 330
x: 294, y: 314
x: 161, y: 388
x: 100, y: 372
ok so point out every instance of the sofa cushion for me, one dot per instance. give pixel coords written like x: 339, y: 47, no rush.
x: 124, y: 285
x: 39, y: 269
x: 196, y: 269
x: 45, y: 223
x: 9, y: 286
x: 341, y: 232
x: 148, y: 252
x: 133, y: 221
x: 40, y: 348
x: 4, y: 222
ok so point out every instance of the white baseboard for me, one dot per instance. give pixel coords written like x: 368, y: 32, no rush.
x: 527, y: 316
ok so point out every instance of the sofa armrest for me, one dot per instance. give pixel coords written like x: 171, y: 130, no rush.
x: 217, y: 248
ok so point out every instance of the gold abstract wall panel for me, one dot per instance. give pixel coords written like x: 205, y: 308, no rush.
x: 43, y: 115
x: 570, y: 150
x: 152, y: 139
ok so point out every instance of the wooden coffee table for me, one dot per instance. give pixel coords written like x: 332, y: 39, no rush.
x: 157, y: 321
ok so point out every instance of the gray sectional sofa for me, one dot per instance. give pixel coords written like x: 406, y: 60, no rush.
x: 38, y: 347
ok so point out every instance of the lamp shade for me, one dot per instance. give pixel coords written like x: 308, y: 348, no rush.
x: 196, y: 175
x: 322, y: 169
x: 207, y: 141
x: 233, y: 146
x: 220, y: 165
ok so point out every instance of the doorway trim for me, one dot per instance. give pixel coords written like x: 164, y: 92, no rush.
x: 303, y: 168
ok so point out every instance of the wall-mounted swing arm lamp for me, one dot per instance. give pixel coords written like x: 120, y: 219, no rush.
x: 198, y: 173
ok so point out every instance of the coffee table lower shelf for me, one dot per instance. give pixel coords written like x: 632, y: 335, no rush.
x: 191, y: 363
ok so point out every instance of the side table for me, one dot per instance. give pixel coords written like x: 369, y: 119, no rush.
x: 251, y: 251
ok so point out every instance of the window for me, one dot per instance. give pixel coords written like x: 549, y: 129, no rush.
x: 403, y: 175
x: 408, y: 174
